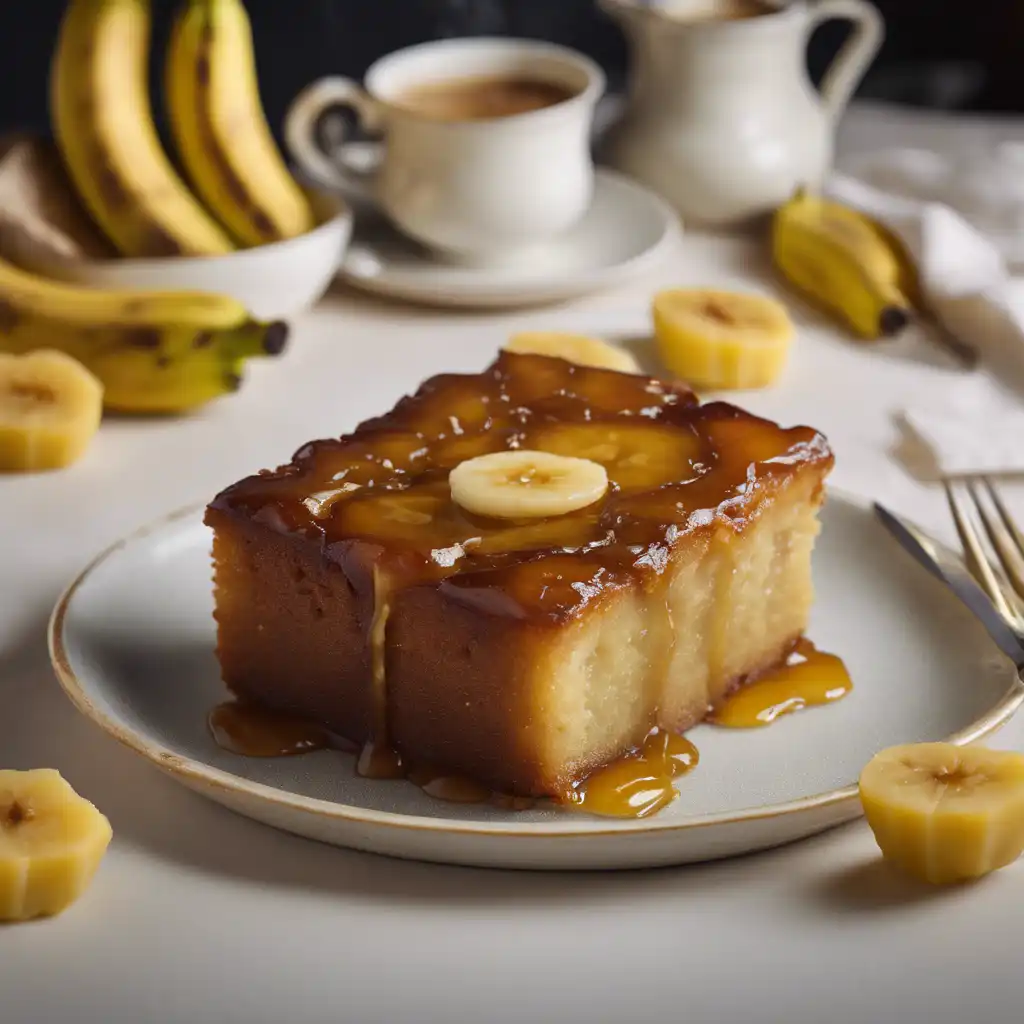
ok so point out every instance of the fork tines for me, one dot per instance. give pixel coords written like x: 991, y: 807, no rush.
x: 995, y: 552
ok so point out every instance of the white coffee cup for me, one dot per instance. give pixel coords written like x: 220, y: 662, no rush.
x: 480, y: 191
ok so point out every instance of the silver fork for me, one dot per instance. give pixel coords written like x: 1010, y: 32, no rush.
x: 994, y: 554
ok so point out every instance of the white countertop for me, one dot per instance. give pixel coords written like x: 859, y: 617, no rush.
x: 201, y: 917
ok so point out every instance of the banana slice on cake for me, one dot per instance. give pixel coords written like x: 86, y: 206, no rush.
x: 573, y: 348
x: 50, y: 408
x: 720, y: 339
x: 51, y: 842
x: 946, y: 813
x: 636, y: 456
x: 526, y: 484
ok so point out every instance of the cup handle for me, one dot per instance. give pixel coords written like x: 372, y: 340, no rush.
x: 852, y: 61
x: 318, y: 128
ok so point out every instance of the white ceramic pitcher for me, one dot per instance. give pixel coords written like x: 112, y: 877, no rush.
x: 722, y: 119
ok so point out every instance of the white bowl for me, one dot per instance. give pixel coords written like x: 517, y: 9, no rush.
x: 273, y: 281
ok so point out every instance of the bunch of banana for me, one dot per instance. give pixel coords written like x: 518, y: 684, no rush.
x: 945, y: 813
x: 153, y: 352
x: 104, y: 127
x: 51, y: 842
x: 220, y: 128
x: 103, y: 123
x: 847, y: 263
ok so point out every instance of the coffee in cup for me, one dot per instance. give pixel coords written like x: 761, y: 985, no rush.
x: 718, y: 10
x: 484, y: 147
x: 482, y: 97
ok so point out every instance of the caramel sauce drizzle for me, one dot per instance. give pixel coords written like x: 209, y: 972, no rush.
x: 808, y: 678
x: 251, y: 731
x: 258, y: 732
x: 639, y: 784
x: 636, y: 785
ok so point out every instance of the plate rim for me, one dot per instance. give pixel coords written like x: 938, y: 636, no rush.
x: 191, y: 771
x: 501, y: 295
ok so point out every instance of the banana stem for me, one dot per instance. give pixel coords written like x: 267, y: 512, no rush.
x: 256, y: 338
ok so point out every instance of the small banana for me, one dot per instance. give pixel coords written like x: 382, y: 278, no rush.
x: 50, y: 409
x: 720, y: 339
x: 154, y: 352
x: 945, y: 813
x: 525, y: 484
x: 573, y: 348
x: 845, y: 262
x: 51, y: 842
x: 220, y: 128
x: 104, y: 128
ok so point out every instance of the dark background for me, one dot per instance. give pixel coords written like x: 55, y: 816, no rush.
x: 952, y: 54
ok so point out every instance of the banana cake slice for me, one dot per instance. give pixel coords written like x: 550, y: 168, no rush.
x: 520, y: 650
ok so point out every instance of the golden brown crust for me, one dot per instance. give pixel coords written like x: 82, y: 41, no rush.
x: 291, y: 631
x: 675, y: 468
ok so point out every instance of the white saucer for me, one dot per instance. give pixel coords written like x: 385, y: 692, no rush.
x: 627, y: 230
x: 132, y: 642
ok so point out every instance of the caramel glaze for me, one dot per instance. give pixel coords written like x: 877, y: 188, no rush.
x: 809, y: 677
x: 639, y: 784
x: 634, y: 786
x: 259, y: 732
x: 377, y: 501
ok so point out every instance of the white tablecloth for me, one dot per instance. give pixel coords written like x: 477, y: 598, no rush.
x: 201, y: 917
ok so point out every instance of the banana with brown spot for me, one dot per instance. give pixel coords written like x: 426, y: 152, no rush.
x: 104, y: 127
x: 220, y: 128
x: 154, y: 352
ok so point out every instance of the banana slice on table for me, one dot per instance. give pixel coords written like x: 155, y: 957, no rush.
x: 573, y: 348
x: 51, y: 843
x: 50, y: 408
x: 526, y: 484
x: 945, y: 813
x: 721, y: 340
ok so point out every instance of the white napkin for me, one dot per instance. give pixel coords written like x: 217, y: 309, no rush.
x: 970, y: 436
x: 968, y: 289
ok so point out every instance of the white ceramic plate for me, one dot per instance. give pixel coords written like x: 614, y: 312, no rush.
x: 625, y: 232
x: 132, y: 642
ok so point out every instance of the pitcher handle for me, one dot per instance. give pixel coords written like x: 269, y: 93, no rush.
x: 852, y: 61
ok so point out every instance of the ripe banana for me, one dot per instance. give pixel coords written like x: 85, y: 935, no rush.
x: 945, y: 813
x: 51, y: 843
x: 154, y: 352
x: 525, y: 484
x: 220, y: 128
x: 50, y: 409
x: 573, y: 348
x: 846, y: 263
x: 104, y: 128
x: 721, y: 340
